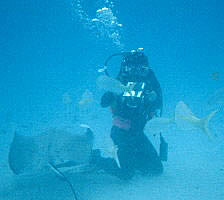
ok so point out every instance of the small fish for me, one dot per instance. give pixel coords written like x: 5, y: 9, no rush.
x: 184, y: 114
x: 110, y: 84
x: 66, y: 98
x: 86, y: 98
x: 215, y: 76
x: 184, y: 119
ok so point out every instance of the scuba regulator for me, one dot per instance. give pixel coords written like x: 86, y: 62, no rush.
x: 134, y: 63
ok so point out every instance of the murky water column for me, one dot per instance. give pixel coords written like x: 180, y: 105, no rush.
x: 104, y: 24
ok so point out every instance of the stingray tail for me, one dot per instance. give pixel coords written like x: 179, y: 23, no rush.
x: 63, y: 177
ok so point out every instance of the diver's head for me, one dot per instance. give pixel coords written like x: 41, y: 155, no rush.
x: 134, y: 65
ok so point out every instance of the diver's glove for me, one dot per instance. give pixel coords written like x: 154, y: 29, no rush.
x: 107, y: 99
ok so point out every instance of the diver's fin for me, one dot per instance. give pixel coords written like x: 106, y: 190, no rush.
x: 115, y: 156
x: 112, y: 151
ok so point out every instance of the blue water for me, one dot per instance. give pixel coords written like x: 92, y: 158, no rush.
x: 47, y: 50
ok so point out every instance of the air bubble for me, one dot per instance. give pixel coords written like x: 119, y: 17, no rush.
x: 105, y: 24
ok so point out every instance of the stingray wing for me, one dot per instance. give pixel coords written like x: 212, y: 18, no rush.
x: 29, y: 154
x: 21, y: 153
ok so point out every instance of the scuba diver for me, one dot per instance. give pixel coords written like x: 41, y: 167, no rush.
x: 131, y: 110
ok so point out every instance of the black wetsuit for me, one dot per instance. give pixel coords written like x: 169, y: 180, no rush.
x: 135, y: 151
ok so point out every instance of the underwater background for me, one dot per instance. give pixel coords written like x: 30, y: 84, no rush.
x: 50, y: 55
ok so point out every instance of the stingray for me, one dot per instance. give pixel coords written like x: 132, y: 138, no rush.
x: 61, y: 151
x: 57, y: 147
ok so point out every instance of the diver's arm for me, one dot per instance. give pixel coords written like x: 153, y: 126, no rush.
x: 153, y: 103
x: 107, y: 99
x: 154, y: 100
